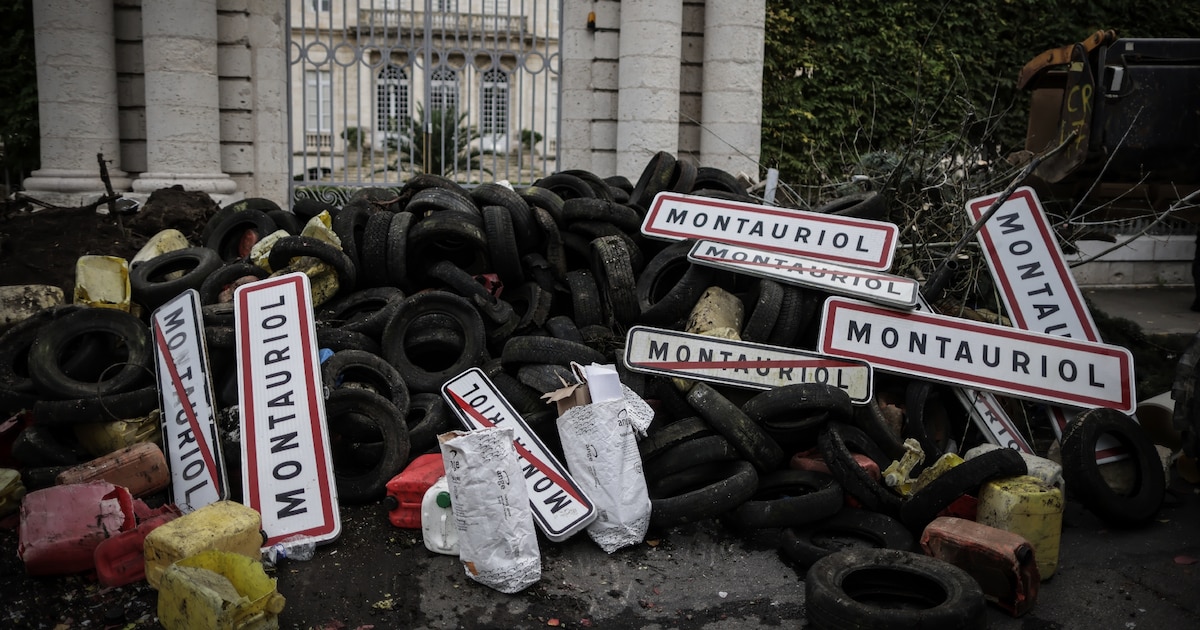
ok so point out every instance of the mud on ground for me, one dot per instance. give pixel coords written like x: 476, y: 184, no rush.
x: 42, y: 247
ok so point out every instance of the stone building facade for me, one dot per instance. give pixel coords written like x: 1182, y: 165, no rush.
x: 683, y: 77
x: 188, y: 92
x: 196, y: 92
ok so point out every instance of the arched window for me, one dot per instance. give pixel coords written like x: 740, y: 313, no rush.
x: 443, y: 92
x: 391, y: 99
x: 493, y: 94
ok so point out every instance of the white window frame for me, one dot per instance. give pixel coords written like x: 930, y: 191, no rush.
x: 443, y: 89
x: 318, y: 105
x: 493, y: 102
x: 391, y: 99
x: 321, y: 6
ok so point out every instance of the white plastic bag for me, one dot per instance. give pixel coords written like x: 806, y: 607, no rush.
x: 497, y: 543
x: 601, y: 452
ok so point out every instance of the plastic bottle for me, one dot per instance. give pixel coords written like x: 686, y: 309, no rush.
x: 437, y: 519
x: 300, y: 548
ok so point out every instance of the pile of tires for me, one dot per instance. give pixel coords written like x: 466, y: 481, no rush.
x: 433, y: 278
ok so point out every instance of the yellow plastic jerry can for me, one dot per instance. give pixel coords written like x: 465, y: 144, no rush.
x: 1029, y: 507
x: 102, y: 281
x: 218, y: 590
x: 102, y: 438
x: 11, y: 491
x: 165, y: 241
x: 224, y: 525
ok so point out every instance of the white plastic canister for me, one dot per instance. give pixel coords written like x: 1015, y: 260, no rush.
x: 437, y: 519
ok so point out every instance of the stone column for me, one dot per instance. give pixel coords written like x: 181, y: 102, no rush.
x: 577, y: 52
x: 648, y: 102
x: 77, y: 101
x: 183, y: 139
x: 731, y: 105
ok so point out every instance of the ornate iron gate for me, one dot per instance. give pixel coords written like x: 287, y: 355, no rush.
x: 379, y: 90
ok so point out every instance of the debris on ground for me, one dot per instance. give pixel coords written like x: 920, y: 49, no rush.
x: 472, y: 307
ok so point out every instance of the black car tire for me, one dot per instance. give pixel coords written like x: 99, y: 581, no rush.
x: 1082, y: 473
x: 367, y: 483
x: 428, y: 373
x: 47, y: 354
x: 885, y: 589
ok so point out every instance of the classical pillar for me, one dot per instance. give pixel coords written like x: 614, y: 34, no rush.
x: 183, y: 125
x: 731, y: 105
x: 77, y: 101
x: 577, y: 51
x: 648, y: 79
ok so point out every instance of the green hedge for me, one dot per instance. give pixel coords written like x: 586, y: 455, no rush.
x: 18, y: 84
x: 846, y: 81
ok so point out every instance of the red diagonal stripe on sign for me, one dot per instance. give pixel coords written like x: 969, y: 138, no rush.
x: 676, y: 365
x: 1000, y: 417
x: 770, y: 265
x: 545, y: 468
x: 209, y: 462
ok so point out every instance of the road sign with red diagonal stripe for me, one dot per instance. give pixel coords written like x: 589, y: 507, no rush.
x: 185, y: 392
x: 741, y: 363
x: 560, y: 506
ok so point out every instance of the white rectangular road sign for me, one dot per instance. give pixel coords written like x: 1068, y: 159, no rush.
x: 873, y: 286
x: 741, y: 363
x: 1022, y: 251
x: 560, y: 506
x: 987, y: 414
x: 847, y: 240
x: 186, y: 395
x: 963, y: 352
x: 1036, y: 286
x: 985, y: 410
x: 287, y: 470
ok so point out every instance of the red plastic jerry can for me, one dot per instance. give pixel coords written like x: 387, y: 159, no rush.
x: 62, y: 525
x: 813, y: 460
x: 121, y: 560
x: 406, y: 490
x: 141, y: 468
x: 1002, y: 562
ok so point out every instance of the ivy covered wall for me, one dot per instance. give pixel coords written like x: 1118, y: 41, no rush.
x: 844, y: 81
x: 18, y: 84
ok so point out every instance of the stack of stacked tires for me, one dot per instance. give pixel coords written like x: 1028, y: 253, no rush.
x: 434, y: 278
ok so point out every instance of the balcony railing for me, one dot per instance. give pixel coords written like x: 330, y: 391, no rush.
x: 318, y: 139
x: 479, y: 23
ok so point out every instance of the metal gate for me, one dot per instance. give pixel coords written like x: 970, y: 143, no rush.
x: 379, y: 90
